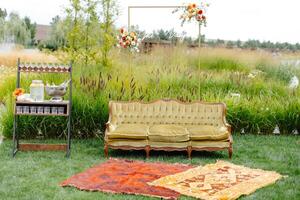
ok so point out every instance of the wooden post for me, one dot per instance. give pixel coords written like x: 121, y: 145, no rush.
x: 199, y: 40
x: 128, y: 18
x: 199, y: 49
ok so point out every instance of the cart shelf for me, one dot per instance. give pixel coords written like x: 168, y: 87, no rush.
x: 45, y: 108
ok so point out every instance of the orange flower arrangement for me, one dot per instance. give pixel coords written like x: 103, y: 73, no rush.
x: 193, y: 11
x: 128, y: 40
x: 18, y: 92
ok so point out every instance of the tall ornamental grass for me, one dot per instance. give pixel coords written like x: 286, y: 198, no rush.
x: 253, y: 84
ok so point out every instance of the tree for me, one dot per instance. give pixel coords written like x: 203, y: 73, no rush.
x: 140, y: 33
x: 109, y: 12
x: 162, y: 34
x: 59, y: 31
x: 252, y: 44
x: 75, y: 21
x: 16, y: 30
x: 230, y: 44
x: 2, y: 29
x: 239, y: 43
x: 31, y: 27
x: 92, y: 30
x: 3, y: 13
x: 58, y: 35
x: 90, y: 33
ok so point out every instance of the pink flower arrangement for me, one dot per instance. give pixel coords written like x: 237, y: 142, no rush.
x: 128, y: 40
x: 193, y: 11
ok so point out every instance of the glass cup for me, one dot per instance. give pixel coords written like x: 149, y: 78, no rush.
x: 33, y: 109
x: 47, y: 110
x: 54, y: 110
x: 61, y: 110
x: 19, y: 109
x: 26, y: 109
x: 40, y: 110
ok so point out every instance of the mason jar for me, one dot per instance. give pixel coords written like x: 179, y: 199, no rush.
x: 37, y: 90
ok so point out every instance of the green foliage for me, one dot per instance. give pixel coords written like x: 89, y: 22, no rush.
x: 109, y: 12
x: 173, y: 73
x: 86, y: 34
x: 32, y: 28
x: 283, y: 73
x: 3, y: 13
x: 58, y: 35
x: 75, y: 22
x: 14, y: 30
x: 222, y: 64
x: 162, y: 34
x: 255, y: 44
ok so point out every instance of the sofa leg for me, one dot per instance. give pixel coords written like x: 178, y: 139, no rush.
x: 189, y: 151
x: 106, y: 150
x: 230, y: 151
x: 147, y: 149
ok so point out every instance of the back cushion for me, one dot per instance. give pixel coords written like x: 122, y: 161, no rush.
x: 166, y: 112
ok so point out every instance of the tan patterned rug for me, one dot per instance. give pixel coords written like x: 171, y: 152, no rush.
x: 219, y: 181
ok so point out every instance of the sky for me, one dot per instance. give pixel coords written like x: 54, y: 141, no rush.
x: 274, y: 20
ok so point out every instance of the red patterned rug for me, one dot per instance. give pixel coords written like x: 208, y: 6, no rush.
x: 129, y: 177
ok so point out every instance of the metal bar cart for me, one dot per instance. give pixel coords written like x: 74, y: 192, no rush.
x: 64, y: 107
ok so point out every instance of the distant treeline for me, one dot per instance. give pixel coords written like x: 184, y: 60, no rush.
x: 254, y: 44
x: 89, y: 27
x: 14, y: 29
x: 171, y: 35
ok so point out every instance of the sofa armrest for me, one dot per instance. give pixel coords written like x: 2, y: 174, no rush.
x: 109, y: 127
x: 228, y: 126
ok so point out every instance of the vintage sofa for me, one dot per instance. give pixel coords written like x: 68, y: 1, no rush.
x: 168, y: 125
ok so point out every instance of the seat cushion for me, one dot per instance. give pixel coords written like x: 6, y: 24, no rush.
x: 168, y: 133
x: 129, y: 131
x: 205, y: 132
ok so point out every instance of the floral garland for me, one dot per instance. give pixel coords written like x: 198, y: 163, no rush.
x: 129, y: 40
x: 193, y: 11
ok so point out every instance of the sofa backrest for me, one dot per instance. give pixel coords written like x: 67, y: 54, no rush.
x: 167, y: 112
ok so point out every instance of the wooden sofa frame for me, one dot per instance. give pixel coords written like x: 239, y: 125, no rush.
x: 189, y: 149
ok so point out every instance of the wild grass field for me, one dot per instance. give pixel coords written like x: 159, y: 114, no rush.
x: 253, y: 84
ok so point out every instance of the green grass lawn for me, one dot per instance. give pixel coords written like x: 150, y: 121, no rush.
x: 36, y: 175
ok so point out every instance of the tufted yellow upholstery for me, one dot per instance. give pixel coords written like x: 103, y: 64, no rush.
x: 168, y: 133
x: 208, y: 132
x: 166, y: 122
x: 128, y: 131
x: 166, y: 112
